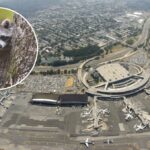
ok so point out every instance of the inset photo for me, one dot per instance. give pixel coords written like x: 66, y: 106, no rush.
x: 18, y: 48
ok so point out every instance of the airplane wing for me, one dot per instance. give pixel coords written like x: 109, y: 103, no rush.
x: 87, y: 144
x: 137, y: 129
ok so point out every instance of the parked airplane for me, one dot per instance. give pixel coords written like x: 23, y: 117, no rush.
x: 90, y: 119
x: 128, y: 116
x: 104, y: 111
x: 85, y: 113
x: 108, y: 141
x: 139, y: 127
x: 87, y: 109
x: 87, y: 143
x: 5, y: 96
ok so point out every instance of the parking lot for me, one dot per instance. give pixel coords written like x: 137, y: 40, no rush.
x: 45, y: 84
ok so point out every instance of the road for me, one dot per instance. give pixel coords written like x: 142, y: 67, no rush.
x: 82, y: 77
x: 144, y: 34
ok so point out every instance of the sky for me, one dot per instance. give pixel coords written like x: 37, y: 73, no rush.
x: 27, y: 7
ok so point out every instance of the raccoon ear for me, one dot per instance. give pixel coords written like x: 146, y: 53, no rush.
x: 5, y: 23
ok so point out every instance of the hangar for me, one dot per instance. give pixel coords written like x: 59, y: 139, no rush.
x: 55, y: 99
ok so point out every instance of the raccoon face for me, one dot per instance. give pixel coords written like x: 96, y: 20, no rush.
x: 4, y: 40
x: 5, y: 34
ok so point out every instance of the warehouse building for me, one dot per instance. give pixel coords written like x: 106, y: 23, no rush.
x: 62, y: 100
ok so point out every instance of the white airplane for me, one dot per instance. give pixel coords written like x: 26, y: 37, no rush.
x: 5, y: 96
x: 104, y: 111
x: 1, y: 103
x: 85, y: 114
x: 87, y: 143
x: 87, y: 109
x: 128, y: 116
x: 139, y: 127
x: 95, y: 133
x: 108, y: 141
x: 90, y: 119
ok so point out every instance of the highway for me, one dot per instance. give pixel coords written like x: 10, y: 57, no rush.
x: 144, y: 35
x: 82, y: 77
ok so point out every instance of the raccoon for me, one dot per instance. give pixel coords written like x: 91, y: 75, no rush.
x: 6, y: 32
x: 5, y: 35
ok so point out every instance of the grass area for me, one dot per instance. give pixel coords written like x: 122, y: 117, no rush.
x: 69, y: 82
x: 6, y: 14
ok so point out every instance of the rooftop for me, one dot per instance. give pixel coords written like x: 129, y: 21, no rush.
x: 113, y: 72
